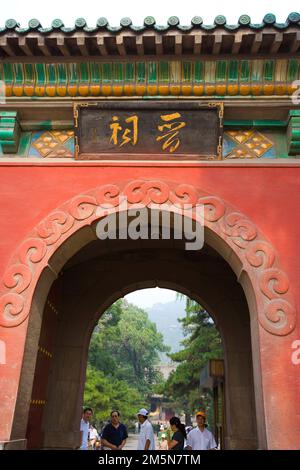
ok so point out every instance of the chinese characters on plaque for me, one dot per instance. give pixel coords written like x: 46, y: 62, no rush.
x: 156, y: 131
x: 169, y: 136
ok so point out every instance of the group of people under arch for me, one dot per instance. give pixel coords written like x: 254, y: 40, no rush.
x: 177, y: 437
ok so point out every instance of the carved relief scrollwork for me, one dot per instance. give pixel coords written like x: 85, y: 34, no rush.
x: 13, y: 311
x: 260, y: 254
x: 54, y: 226
x: 184, y: 194
x: 146, y: 192
x: 14, y: 304
x: 108, y: 196
x: 214, y: 208
x: 17, y: 277
x: 82, y: 207
x: 32, y: 250
x: 277, y: 313
x: 274, y: 282
x: 239, y: 229
x: 278, y: 317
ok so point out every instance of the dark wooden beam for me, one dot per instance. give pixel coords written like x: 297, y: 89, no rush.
x: 81, y: 44
x: 158, y: 45
x: 278, y: 37
x: 120, y: 45
x: 23, y: 45
x: 41, y: 42
x: 197, y: 43
x: 6, y: 46
x: 256, y: 43
x: 296, y: 42
x: 140, y: 45
x: 237, y: 42
x: 217, y: 44
x: 268, y: 40
x: 101, y: 45
x: 178, y: 45
x: 62, y: 46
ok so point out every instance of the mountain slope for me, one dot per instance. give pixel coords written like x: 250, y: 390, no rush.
x: 165, y: 317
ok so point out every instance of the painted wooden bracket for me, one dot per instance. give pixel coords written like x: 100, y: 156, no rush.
x: 293, y: 133
x: 10, y: 131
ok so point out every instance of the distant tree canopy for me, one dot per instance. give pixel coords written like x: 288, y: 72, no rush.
x: 202, y: 342
x: 105, y: 394
x: 123, y: 353
x: 125, y: 350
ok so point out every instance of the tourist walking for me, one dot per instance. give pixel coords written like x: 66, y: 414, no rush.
x: 201, y: 438
x: 114, y: 434
x: 146, y: 437
x: 179, y: 434
x: 93, y: 437
x: 163, y: 445
x: 84, y: 428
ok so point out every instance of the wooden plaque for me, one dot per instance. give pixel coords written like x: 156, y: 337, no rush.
x: 157, y: 130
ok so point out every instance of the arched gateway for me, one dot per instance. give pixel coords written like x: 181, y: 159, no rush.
x: 58, y: 277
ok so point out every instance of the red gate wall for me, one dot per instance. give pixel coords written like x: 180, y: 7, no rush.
x: 266, y: 193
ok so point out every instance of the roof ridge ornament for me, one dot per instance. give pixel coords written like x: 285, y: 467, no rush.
x: 173, y: 21
x: 102, y: 22
x: 80, y: 23
x: 34, y: 24
x: 220, y: 20
x: 126, y: 22
x: 269, y: 19
x: 11, y: 24
x: 294, y: 17
x: 57, y: 24
x: 149, y: 21
x: 197, y: 21
x: 244, y: 20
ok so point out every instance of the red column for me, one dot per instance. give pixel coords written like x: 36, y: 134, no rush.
x: 12, y: 351
x: 281, y: 386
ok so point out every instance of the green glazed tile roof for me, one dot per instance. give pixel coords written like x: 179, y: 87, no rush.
x: 197, y: 38
x: 173, y: 22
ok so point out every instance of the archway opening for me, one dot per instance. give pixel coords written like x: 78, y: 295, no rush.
x: 94, y: 276
x: 149, y: 350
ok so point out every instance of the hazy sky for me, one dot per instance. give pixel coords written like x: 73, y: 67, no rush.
x: 145, y: 298
x: 68, y: 11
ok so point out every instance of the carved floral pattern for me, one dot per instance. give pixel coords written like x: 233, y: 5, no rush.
x: 276, y: 310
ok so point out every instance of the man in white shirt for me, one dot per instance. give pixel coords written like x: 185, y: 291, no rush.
x: 146, y: 437
x: 200, y: 438
x: 84, y: 428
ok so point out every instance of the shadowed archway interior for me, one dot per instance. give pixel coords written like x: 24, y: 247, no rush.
x: 93, y: 274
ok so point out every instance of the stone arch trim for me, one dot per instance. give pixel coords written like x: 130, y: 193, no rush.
x: 275, y: 304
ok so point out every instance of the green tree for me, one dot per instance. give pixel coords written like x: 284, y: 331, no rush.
x: 105, y: 394
x: 139, y: 348
x: 102, y: 346
x: 202, y: 342
x: 123, y: 355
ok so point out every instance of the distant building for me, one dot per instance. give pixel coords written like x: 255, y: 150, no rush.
x: 165, y: 369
